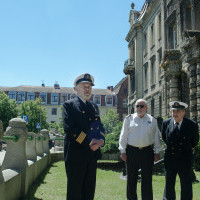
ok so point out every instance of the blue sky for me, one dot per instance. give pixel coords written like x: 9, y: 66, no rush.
x: 56, y: 40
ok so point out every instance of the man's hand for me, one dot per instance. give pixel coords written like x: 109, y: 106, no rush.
x: 124, y: 157
x: 95, y: 144
x: 156, y: 157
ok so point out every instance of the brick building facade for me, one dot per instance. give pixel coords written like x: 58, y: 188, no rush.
x: 53, y: 98
x: 121, y: 92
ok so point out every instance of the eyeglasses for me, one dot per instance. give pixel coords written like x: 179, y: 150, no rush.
x: 141, y: 106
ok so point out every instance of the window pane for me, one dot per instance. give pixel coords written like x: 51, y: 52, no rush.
x: 43, y: 98
x: 97, y: 99
x: 54, y: 111
x: 31, y: 96
x: 21, y: 97
x: 109, y: 100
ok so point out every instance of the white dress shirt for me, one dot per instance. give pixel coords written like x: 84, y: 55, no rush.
x: 140, y: 132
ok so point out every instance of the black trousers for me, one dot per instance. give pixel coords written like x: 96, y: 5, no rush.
x: 81, y: 177
x: 185, y: 176
x: 137, y: 159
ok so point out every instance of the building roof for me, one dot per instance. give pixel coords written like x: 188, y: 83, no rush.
x: 51, y: 89
x: 118, y: 86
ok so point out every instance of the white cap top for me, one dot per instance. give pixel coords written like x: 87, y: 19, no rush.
x: 84, y: 78
x: 178, y: 105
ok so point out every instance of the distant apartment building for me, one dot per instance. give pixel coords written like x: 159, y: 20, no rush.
x: 164, y: 56
x: 53, y: 98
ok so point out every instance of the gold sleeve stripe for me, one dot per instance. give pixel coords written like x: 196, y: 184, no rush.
x: 102, y: 134
x: 81, y: 137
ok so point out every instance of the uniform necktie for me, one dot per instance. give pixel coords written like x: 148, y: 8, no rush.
x: 176, y: 127
x: 88, y: 104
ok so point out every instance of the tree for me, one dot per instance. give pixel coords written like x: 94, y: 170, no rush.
x: 112, y: 140
x: 8, y: 109
x: 110, y: 120
x: 112, y: 126
x: 36, y: 114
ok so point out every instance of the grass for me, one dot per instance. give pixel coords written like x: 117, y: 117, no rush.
x: 51, y: 185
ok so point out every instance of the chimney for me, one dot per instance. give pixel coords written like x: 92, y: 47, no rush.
x: 43, y: 85
x: 110, y: 88
x: 56, y: 85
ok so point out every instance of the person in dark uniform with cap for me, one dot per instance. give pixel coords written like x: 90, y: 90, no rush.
x: 181, y: 135
x: 84, y: 135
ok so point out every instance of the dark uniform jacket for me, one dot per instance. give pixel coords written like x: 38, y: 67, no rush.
x: 179, y: 146
x: 77, y: 116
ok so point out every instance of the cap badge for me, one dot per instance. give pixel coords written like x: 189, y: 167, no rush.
x: 176, y: 104
x: 87, y: 76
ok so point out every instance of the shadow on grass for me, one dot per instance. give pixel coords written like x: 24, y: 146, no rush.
x: 116, y: 166
x: 119, y: 166
x: 38, y: 183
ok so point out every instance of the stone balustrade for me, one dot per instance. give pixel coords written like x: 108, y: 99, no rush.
x: 39, y: 145
x: 45, y: 143
x: 26, y: 156
x: 31, y: 153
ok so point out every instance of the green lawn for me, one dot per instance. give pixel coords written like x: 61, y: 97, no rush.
x: 52, y: 185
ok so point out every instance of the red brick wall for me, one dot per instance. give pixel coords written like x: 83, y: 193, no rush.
x: 122, y: 94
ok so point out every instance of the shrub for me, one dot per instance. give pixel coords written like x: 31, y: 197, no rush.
x: 197, y: 157
x: 112, y: 140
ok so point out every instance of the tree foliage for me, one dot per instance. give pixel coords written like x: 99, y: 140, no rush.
x: 112, y: 127
x: 8, y: 109
x: 110, y: 120
x: 197, y: 157
x: 36, y: 114
x: 112, y: 140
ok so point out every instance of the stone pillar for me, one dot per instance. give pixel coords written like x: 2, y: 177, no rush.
x: 45, y: 134
x: 193, y: 92
x: 15, y: 157
x: 163, y: 95
x: 172, y: 66
x: 193, y: 15
x: 167, y: 98
x: 198, y: 93
x: 39, y: 145
x: 178, y: 25
x: 174, y: 88
x: 2, y: 184
x: 31, y: 153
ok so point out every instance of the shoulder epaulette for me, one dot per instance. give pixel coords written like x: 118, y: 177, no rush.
x: 128, y: 115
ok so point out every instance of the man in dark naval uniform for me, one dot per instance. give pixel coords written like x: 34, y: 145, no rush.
x: 181, y: 136
x: 81, y: 151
